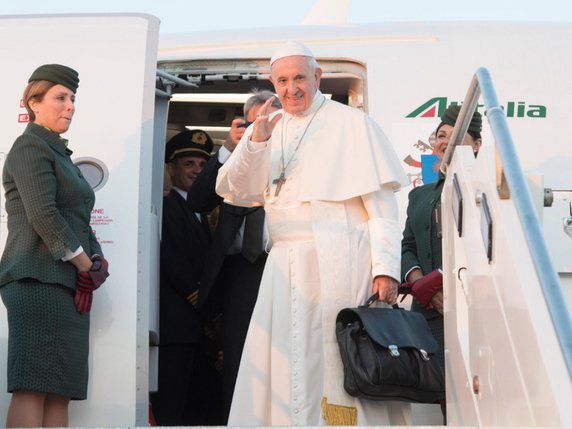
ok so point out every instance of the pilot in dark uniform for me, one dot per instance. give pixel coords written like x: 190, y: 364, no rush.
x: 189, y: 385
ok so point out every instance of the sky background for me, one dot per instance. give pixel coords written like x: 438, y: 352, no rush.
x: 192, y: 15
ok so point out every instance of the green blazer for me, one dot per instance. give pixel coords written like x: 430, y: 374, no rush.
x: 421, y: 243
x: 49, y: 205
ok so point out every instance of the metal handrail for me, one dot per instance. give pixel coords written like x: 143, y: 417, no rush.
x: 174, y: 80
x: 512, y: 171
x: 463, y: 121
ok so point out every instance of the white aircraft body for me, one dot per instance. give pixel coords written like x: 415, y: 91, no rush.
x: 508, y: 335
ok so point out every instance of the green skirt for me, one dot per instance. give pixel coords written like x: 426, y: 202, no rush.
x: 48, y: 340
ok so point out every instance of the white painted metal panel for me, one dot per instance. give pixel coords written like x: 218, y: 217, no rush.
x: 115, y: 56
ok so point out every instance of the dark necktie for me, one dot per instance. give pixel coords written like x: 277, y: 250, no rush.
x: 205, y: 224
x: 252, y: 238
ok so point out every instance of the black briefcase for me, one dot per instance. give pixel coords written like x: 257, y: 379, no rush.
x: 389, y: 354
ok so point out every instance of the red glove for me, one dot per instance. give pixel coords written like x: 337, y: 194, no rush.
x: 87, y: 282
x: 424, y: 288
x: 98, y: 271
x: 83, y: 292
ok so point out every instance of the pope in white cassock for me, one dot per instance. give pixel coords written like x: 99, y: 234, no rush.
x: 326, y: 175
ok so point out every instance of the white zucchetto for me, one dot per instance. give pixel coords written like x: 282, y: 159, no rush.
x: 289, y: 49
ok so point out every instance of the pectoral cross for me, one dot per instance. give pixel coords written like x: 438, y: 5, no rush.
x: 279, y: 182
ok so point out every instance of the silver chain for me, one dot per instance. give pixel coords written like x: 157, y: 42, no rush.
x: 284, y: 167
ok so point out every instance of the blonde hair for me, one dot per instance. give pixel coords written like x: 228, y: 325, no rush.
x: 35, y: 91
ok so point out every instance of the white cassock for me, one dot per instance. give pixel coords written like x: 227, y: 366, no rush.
x: 333, y: 227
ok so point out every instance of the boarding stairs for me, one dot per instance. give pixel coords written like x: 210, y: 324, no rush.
x: 508, y: 331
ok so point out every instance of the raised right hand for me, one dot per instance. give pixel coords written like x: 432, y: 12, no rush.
x: 263, y: 126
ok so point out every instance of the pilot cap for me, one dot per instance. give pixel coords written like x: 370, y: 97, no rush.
x: 289, y: 49
x: 57, y: 73
x: 189, y: 143
x: 450, y: 115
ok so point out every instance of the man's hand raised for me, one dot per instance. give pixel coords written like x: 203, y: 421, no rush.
x: 235, y: 134
x: 263, y: 126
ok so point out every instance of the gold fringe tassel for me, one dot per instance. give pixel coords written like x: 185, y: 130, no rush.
x: 338, y: 415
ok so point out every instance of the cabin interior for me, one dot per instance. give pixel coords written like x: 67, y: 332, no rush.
x: 209, y: 94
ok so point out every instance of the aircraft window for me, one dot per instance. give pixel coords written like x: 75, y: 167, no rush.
x: 94, y: 171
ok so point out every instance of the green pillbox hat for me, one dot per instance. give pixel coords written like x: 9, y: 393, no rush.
x: 452, y: 112
x: 57, y: 73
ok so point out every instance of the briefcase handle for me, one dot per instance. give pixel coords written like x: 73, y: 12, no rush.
x: 372, y: 299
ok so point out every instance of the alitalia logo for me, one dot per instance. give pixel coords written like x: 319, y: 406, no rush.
x: 435, y: 107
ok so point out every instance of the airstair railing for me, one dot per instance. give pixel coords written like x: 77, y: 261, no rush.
x: 169, y: 81
x: 511, y: 181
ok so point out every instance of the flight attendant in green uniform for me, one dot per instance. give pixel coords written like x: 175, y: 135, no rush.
x: 421, y: 256
x: 52, y: 261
